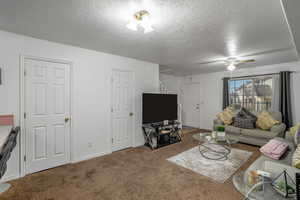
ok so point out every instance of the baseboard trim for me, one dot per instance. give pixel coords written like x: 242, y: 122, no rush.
x: 138, y: 144
x: 90, y: 156
x: 9, y: 178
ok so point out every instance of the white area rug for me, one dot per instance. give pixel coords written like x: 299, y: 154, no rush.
x: 219, y: 171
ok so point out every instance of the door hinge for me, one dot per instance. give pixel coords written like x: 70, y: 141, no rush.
x: 24, y: 115
x: 112, y: 140
x: 111, y: 110
x: 25, y: 72
x: 24, y: 158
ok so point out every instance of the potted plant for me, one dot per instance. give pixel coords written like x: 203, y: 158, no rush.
x: 221, y: 133
x: 221, y: 129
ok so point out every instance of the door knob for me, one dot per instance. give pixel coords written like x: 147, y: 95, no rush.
x: 131, y: 114
x: 67, y: 119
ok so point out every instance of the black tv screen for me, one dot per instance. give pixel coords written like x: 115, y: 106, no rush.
x: 159, y: 107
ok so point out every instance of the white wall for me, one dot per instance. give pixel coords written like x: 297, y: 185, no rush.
x: 172, y: 83
x: 211, y: 87
x: 91, y: 99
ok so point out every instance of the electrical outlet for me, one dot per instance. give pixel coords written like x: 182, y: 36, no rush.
x: 90, y: 144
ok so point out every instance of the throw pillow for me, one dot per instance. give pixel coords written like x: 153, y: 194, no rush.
x: 274, y: 149
x: 265, y: 121
x: 226, y: 116
x: 294, y: 129
x: 245, y: 123
x: 296, y: 158
x: 247, y: 114
x: 297, y: 137
x: 245, y: 119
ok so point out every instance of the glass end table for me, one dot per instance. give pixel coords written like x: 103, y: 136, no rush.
x: 264, y: 192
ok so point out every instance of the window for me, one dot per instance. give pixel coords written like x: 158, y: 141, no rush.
x: 254, y: 93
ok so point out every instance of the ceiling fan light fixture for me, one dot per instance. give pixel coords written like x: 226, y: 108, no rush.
x: 231, y: 67
x: 142, y: 19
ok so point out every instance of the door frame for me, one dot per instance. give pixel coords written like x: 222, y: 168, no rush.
x: 133, y: 106
x: 22, y: 138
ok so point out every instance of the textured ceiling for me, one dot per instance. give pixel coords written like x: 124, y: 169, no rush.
x: 186, y: 32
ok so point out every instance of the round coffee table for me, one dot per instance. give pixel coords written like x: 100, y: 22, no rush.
x: 214, y: 148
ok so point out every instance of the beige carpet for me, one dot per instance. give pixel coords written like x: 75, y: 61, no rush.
x: 133, y: 174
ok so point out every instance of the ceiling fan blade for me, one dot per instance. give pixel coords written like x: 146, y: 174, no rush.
x: 267, y: 52
x: 246, y: 61
x: 209, y: 62
x: 247, y: 55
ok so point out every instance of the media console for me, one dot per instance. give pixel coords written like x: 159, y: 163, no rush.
x: 158, y: 135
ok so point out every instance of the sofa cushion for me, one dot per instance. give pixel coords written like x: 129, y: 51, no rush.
x: 226, y: 116
x: 265, y: 121
x: 233, y: 130
x: 258, y: 133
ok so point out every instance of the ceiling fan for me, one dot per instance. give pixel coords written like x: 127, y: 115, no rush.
x: 231, y: 63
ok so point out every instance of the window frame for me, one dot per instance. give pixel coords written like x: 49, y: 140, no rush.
x: 254, y: 105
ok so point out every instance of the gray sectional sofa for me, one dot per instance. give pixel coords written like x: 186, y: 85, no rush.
x: 254, y: 136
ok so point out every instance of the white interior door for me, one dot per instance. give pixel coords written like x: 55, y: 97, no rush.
x: 47, y: 108
x: 122, y: 109
x: 191, y: 105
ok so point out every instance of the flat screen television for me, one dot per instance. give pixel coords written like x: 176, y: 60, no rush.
x: 159, y: 107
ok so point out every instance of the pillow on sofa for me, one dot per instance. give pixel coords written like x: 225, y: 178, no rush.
x: 297, y: 137
x: 247, y: 114
x: 294, y: 129
x: 296, y: 158
x: 265, y: 121
x: 226, y: 116
x: 242, y: 122
x: 245, y: 119
x: 274, y: 149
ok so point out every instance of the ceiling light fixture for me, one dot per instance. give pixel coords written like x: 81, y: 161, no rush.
x: 142, y: 19
x: 231, y: 67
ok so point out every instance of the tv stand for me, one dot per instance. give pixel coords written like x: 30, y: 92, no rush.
x: 159, y: 135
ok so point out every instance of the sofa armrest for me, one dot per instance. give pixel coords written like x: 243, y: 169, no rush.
x: 289, y: 137
x: 279, y: 129
x: 217, y: 122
